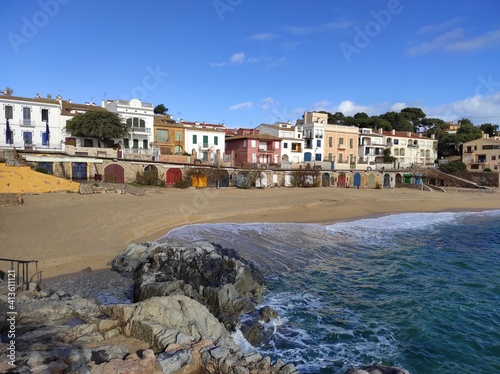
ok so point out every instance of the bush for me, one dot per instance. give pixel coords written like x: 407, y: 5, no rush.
x: 487, y: 170
x: 148, y: 179
x: 184, y: 183
x: 453, y: 167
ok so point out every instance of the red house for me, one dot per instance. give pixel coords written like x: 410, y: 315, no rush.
x: 251, y: 147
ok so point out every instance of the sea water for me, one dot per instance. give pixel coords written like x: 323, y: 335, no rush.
x: 419, y: 290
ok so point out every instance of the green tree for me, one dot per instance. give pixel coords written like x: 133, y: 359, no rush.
x: 388, y: 157
x: 490, y: 129
x: 100, y: 125
x: 413, y: 115
x: 160, y: 109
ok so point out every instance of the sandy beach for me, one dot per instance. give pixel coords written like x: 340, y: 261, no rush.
x: 68, y: 232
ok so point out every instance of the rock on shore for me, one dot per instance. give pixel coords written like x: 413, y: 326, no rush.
x: 188, y: 301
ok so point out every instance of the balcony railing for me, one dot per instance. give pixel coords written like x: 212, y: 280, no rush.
x: 27, y: 122
x: 136, y: 130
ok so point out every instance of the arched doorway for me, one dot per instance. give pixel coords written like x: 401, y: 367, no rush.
x: 114, y: 173
x: 150, y: 174
x: 261, y: 180
x: 357, y: 180
x: 223, y: 178
x: 341, y: 181
x: 371, y: 181
x: 174, y: 175
x: 284, y: 158
x: 387, y: 181
x: 399, y: 179
x: 325, y: 180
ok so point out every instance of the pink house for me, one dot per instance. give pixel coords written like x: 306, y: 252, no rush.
x: 251, y: 147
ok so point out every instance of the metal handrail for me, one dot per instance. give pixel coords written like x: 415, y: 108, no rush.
x: 23, y: 268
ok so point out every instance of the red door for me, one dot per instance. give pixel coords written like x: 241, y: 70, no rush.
x: 114, y: 173
x: 173, y: 175
x: 341, y: 180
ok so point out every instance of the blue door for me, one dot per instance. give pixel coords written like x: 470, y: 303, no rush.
x: 307, y: 156
x: 357, y: 180
x: 79, y: 171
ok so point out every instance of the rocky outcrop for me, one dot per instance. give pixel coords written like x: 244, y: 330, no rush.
x: 57, y: 333
x: 377, y: 369
x: 218, y: 278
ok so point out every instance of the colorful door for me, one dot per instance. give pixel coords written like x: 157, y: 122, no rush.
x: 114, y: 173
x: 357, y: 180
x: 174, y: 175
x: 79, y: 171
x: 341, y: 180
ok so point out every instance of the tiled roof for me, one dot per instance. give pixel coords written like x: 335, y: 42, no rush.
x: 254, y: 136
x: 68, y: 107
x: 404, y: 134
x: 30, y: 99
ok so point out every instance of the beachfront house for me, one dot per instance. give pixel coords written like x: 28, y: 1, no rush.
x: 168, y: 135
x: 313, y: 126
x: 340, y: 147
x: 140, y: 117
x: 410, y: 149
x: 30, y: 123
x: 481, y: 154
x: 371, y: 145
x: 292, y: 143
x: 250, y: 147
x: 204, y: 141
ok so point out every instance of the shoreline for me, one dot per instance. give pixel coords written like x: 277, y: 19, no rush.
x: 68, y: 233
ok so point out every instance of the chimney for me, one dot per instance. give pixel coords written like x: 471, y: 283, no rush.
x: 408, y: 134
x: 420, y: 135
x: 380, y: 130
x: 393, y: 132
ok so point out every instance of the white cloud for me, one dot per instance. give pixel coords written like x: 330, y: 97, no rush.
x: 243, y: 105
x: 485, y: 41
x: 439, y: 27
x: 455, y: 41
x: 397, y: 107
x: 321, y: 105
x: 238, y: 58
x: 267, y: 103
x: 218, y: 64
x: 479, y: 109
x: 263, y: 36
x: 439, y: 42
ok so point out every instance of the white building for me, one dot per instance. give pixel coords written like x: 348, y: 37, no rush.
x: 313, y: 127
x: 411, y: 149
x: 204, y: 140
x: 292, y: 144
x: 371, y: 145
x: 34, y: 123
x: 140, y: 116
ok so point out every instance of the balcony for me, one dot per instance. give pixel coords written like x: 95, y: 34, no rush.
x: 140, y: 130
x: 27, y: 123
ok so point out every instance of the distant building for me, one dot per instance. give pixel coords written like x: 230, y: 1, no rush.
x: 204, y: 141
x: 410, y: 149
x: 482, y: 153
x: 371, y: 145
x: 34, y: 123
x: 292, y: 144
x: 140, y: 116
x: 252, y: 148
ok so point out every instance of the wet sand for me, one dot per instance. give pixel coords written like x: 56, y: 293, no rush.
x: 68, y: 233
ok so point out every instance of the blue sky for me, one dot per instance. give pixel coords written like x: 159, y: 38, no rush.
x: 247, y: 62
